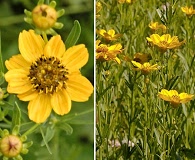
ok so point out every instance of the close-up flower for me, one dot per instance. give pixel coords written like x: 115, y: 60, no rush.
x: 156, y: 26
x: 108, y: 35
x: 47, y: 75
x: 189, y: 11
x: 165, y: 41
x: 145, y: 68
x: 174, y: 97
x: 106, y: 53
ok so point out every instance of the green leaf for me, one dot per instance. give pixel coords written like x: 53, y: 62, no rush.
x: 74, y: 35
x: 66, y: 127
x: 49, y: 135
x: 16, y: 115
x: 45, y: 141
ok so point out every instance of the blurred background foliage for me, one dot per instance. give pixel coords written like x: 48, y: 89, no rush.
x: 79, y: 145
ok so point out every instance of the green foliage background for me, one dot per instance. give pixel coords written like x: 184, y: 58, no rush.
x: 78, y: 145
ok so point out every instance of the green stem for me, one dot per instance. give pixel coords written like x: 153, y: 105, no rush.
x: 32, y: 129
x: 45, y: 37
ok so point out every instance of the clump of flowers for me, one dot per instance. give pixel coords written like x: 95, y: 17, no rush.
x: 145, y: 68
x: 174, y: 97
x: 189, y: 11
x: 165, y: 41
x: 47, y: 75
x: 156, y: 26
x: 106, y: 53
x: 108, y: 35
x: 12, y: 145
x: 44, y: 17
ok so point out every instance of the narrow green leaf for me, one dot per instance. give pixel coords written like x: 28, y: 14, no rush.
x: 16, y: 115
x: 66, y: 127
x: 49, y: 135
x: 45, y: 141
x: 74, y: 35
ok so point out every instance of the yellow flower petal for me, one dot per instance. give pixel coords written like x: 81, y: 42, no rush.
x: 184, y: 97
x: 19, y: 74
x: 79, y: 88
x: 30, y: 45
x: 75, y: 57
x: 61, y: 102
x: 28, y: 96
x: 40, y: 108
x: 16, y: 62
x: 164, y: 94
x: 55, y: 47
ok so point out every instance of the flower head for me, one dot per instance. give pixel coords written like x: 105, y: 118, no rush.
x: 189, y: 11
x: 156, y: 26
x: 44, y: 17
x: 145, y: 68
x: 126, y: 1
x: 106, y: 53
x: 47, y: 75
x: 141, y: 58
x: 108, y: 35
x: 165, y: 41
x: 98, y: 9
x: 174, y: 97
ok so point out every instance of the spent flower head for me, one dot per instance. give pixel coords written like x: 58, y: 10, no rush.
x: 174, y: 97
x: 189, y: 11
x: 47, y: 75
x: 44, y: 17
x: 165, y: 41
x: 106, y: 53
x: 108, y: 35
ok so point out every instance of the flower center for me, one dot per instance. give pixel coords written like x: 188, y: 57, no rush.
x: 48, y: 75
x: 103, y: 49
x: 176, y: 99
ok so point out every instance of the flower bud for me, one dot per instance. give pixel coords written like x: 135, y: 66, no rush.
x: 10, y: 146
x: 44, y: 16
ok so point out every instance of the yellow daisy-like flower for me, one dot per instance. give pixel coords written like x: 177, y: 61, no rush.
x: 145, y: 68
x: 155, y: 26
x: 174, y: 97
x: 189, y: 11
x: 126, y: 1
x: 141, y: 58
x: 98, y: 9
x: 110, y: 35
x: 47, y: 75
x: 165, y: 41
x: 106, y: 53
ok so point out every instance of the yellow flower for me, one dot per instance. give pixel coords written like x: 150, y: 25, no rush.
x: 156, y: 26
x: 188, y: 11
x: 110, y: 35
x: 47, y: 75
x: 165, y: 41
x: 145, y: 68
x: 126, y: 1
x: 174, y: 97
x: 141, y: 58
x: 98, y: 9
x: 106, y: 53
